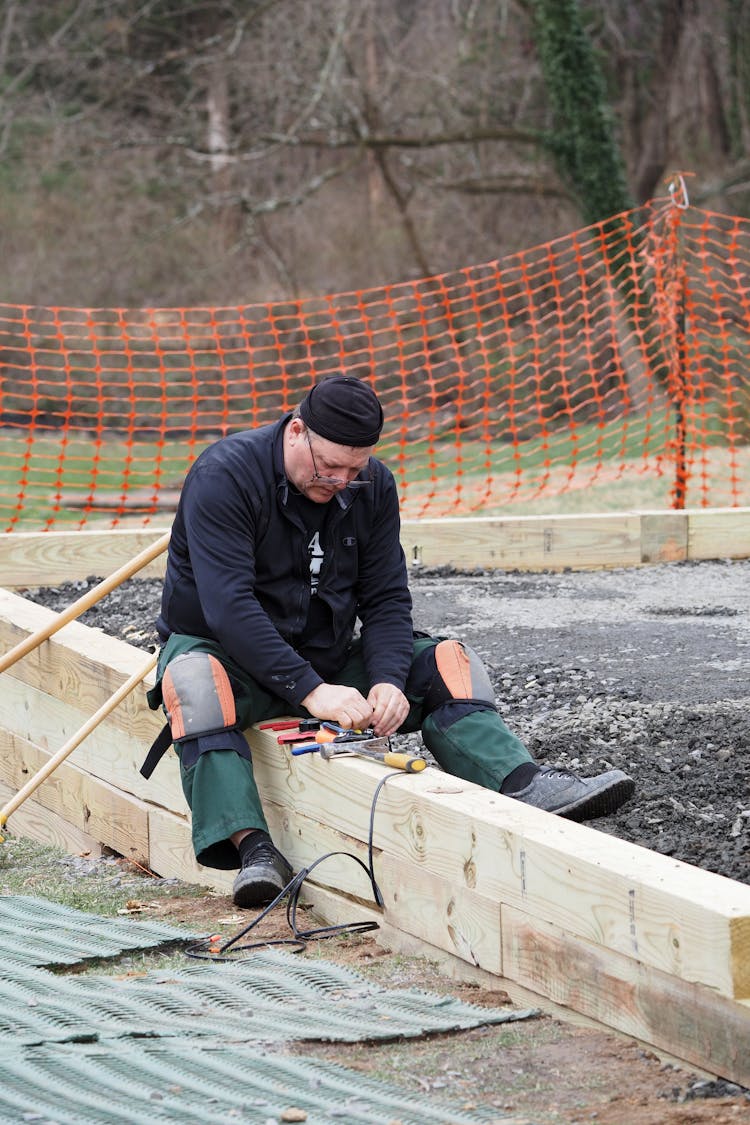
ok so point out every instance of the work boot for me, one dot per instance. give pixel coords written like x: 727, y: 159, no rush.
x: 264, y: 873
x: 576, y: 798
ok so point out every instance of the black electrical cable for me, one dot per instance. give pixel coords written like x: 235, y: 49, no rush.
x: 209, y: 949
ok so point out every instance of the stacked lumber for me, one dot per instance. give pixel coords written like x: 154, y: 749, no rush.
x: 639, y: 942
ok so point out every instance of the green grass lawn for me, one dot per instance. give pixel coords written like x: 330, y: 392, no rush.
x: 620, y: 463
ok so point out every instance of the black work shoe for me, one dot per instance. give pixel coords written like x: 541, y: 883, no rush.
x: 577, y: 798
x: 262, y: 876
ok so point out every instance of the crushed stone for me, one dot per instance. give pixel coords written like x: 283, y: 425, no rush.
x: 642, y: 669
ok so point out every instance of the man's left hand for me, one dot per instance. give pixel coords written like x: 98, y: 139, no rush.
x: 389, y: 708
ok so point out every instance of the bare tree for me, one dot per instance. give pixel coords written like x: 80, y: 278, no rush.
x: 277, y: 147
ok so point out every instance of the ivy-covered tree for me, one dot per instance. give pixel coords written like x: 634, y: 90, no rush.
x: 582, y: 138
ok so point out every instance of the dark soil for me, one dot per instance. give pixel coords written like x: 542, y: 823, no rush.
x: 642, y: 669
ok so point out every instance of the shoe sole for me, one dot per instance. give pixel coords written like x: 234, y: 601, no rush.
x: 602, y: 803
x: 258, y: 891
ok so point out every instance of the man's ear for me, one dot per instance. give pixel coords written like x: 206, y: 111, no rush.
x: 296, y: 430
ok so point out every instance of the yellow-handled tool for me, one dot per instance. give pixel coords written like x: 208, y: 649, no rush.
x: 395, y: 759
x: 371, y: 748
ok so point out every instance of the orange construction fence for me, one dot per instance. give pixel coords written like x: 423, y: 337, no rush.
x: 610, y: 363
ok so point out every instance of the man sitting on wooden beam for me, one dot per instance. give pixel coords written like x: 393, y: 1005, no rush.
x: 285, y: 538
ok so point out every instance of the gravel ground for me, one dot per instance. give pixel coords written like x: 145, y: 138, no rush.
x: 643, y: 669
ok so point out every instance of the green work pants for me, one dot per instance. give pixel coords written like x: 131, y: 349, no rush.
x: 220, y: 787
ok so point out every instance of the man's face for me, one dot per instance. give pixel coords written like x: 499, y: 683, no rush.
x: 319, y: 468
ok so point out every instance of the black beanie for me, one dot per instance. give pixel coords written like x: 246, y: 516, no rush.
x: 344, y: 410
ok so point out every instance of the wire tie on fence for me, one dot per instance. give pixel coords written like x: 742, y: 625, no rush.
x: 677, y: 184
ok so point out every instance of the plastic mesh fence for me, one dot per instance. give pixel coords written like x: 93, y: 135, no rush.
x: 613, y: 356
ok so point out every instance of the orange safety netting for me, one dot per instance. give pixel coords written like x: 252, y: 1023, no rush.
x: 607, y: 366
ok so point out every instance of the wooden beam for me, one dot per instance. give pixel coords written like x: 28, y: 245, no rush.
x: 51, y: 557
x: 719, y: 533
x: 171, y: 853
x: 36, y: 822
x: 454, y: 918
x: 666, y: 913
x: 679, y: 1016
x: 108, y: 753
x: 103, y: 812
x: 525, y: 542
x: 664, y: 537
x: 549, y: 542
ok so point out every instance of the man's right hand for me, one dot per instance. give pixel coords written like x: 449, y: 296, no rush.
x: 344, y: 705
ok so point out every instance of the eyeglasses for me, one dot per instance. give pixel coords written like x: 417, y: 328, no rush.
x: 331, y: 482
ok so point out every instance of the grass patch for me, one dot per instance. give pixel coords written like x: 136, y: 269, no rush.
x: 99, y: 886
x: 48, y: 479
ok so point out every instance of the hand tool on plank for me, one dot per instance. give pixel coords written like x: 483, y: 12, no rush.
x: 91, y: 597
x: 326, y: 737
x: 75, y: 740
x: 376, y: 749
x: 322, y: 736
x: 297, y: 735
x: 291, y: 725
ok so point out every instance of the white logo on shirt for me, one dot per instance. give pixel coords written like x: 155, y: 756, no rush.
x: 316, y: 561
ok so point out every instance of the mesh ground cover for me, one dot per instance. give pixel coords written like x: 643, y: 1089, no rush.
x: 143, y: 1083
x: 36, y: 932
x: 272, y: 997
x: 204, y: 1043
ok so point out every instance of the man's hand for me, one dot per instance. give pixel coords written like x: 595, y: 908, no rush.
x: 344, y: 705
x: 388, y: 709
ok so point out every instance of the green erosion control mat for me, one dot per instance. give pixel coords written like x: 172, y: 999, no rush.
x: 272, y: 997
x: 200, y: 1044
x: 200, y: 1083
x: 36, y: 932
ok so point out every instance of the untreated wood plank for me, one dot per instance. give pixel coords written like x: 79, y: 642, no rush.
x: 687, y: 1019
x: 78, y: 663
x: 719, y: 533
x: 171, y: 853
x: 51, y: 557
x: 35, y: 822
x: 664, y: 537
x: 110, y: 816
x: 337, y: 861
x: 107, y: 753
x: 670, y: 915
x: 525, y: 542
x: 456, y: 919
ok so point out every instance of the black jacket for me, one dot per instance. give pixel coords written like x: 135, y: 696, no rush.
x: 238, y: 569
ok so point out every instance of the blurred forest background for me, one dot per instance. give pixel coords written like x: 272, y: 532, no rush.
x: 174, y: 153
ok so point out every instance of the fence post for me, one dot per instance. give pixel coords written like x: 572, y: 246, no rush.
x: 679, y: 489
x: 677, y: 383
